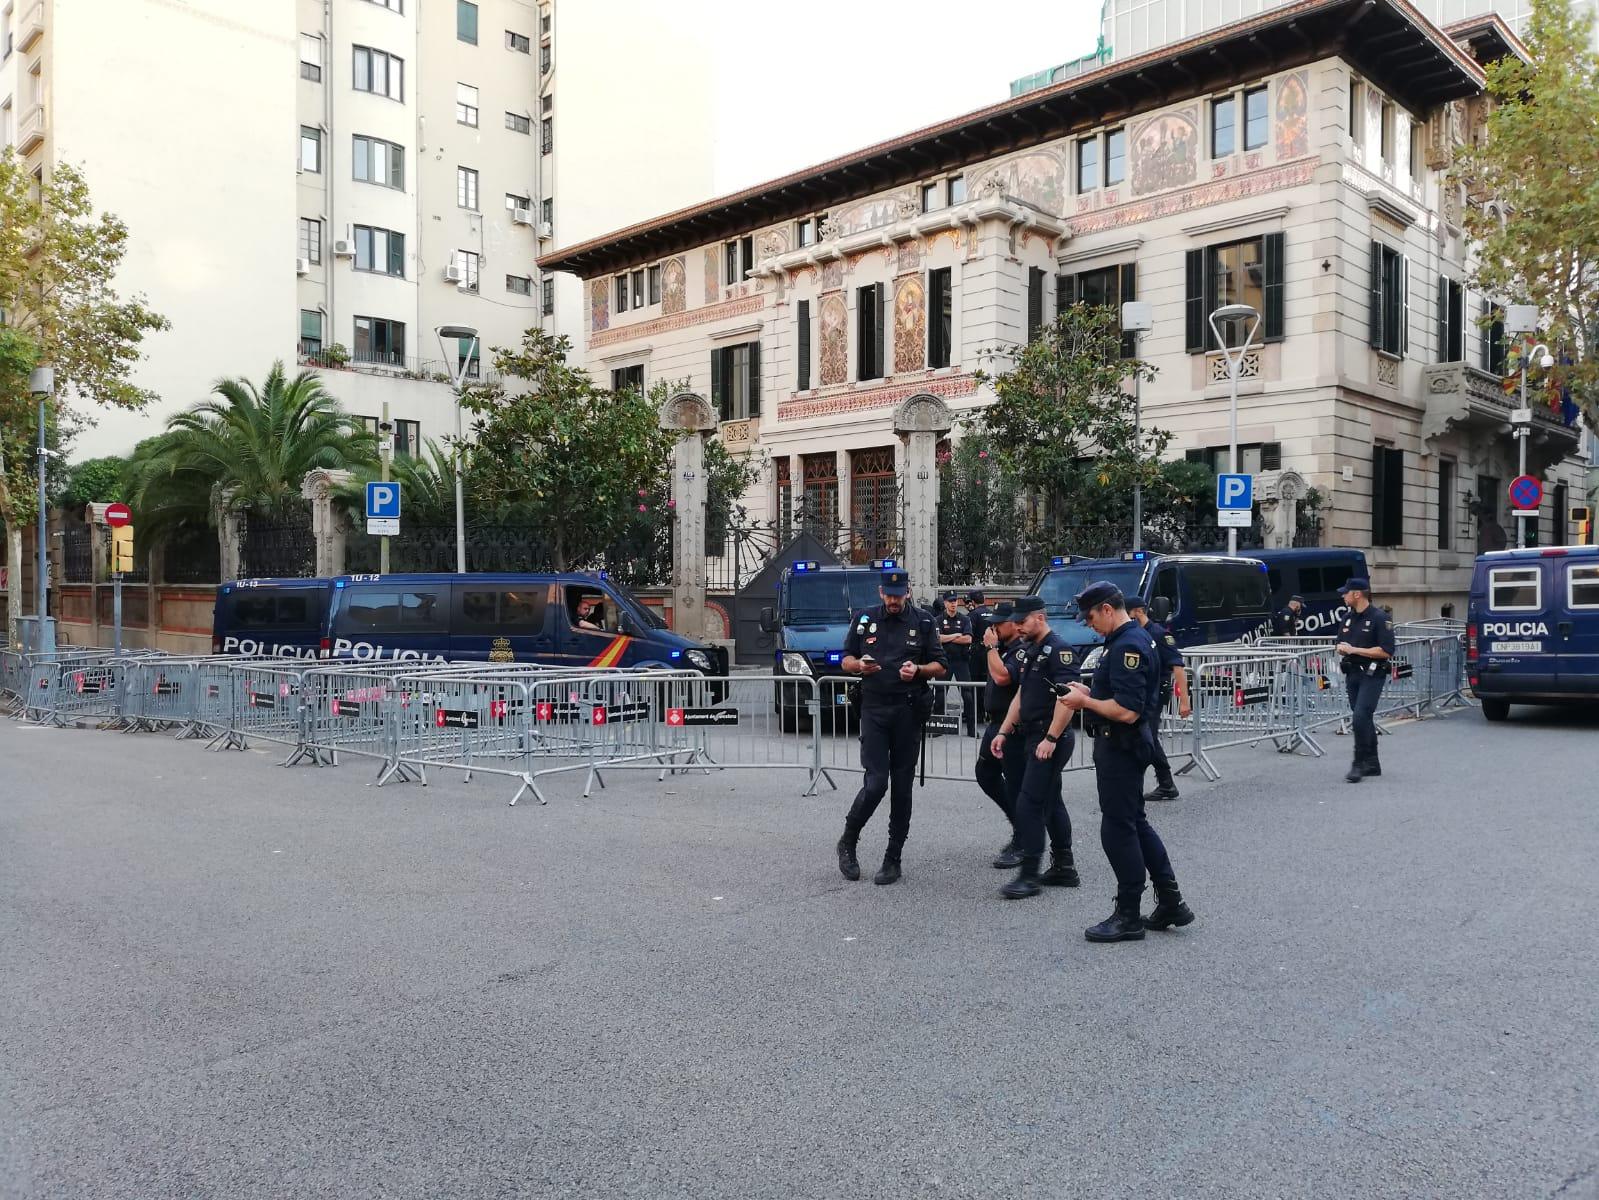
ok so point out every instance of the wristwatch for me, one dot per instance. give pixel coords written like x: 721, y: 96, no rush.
x: 1050, y: 737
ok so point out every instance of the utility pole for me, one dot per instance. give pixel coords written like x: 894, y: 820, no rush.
x: 385, y: 454
x: 42, y: 383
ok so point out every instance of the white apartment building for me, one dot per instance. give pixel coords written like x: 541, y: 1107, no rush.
x: 327, y: 182
x: 1280, y: 162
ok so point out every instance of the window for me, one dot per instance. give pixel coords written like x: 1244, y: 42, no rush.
x: 379, y: 250
x: 638, y: 289
x: 1035, y: 303
x: 466, y: 105
x: 376, y: 161
x: 1223, y: 126
x: 544, y: 21
x: 1582, y: 586
x: 378, y: 340
x: 1088, y: 164
x: 1248, y: 272
x: 808, y: 231
x: 1255, y: 122
x: 955, y: 189
x: 407, y: 435
x: 1221, y: 591
x: 310, y: 332
x: 1493, y: 338
x: 417, y: 612
x: 517, y: 123
x: 940, y: 317
x: 869, y: 303
x: 929, y: 197
x: 518, y: 42
x: 468, y: 355
x: 546, y: 104
x: 1115, y: 157
x: 397, y: 6
x: 1253, y: 458
x: 311, y: 239
x: 738, y: 256
x: 505, y: 611
x: 1446, y: 504
x: 1106, y: 287
x: 466, y: 263
x: 310, y: 149
x: 1387, y: 132
x: 1451, y: 320
x: 802, y: 345
x: 514, y: 202
x: 466, y: 21
x: 653, y: 275
x: 625, y: 378
x: 379, y: 73
x: 547, y: 209
x: 519, y: 285
x: 1515, y: 589
x: 1416, y: 164
x: 1357, y: 113
x: 621, y: 293
x: 544, y: 59
x: 1390, y: 299
x: 546, y: 135
x: 736, y: 381
x: 1387, y: 496
x: 466, y: 188
x: 547, y: 299
x: 310, y: 58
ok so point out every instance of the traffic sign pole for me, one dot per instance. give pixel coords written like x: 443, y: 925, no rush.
x: 117, y: 516
x: 385, y: 449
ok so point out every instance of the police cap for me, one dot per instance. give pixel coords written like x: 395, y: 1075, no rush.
x: 1099, y: 592
x: 975, y: 595
x: 896, y: 583
x: 1026, y: 605
x: 950, y: 597
x: 1135, y: 602
x: 1355, y: 583
x: 1296, y: 599
x: 1004, y: 611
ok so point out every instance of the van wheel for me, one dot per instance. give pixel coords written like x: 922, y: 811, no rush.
x: 1496, y: 710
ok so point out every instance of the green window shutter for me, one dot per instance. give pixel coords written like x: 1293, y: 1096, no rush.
x: 1376, y: 313
x: 1271, y: 320
x: 755, y: 378
x: 718, y: 391
x: 1194, y: 292
x: 802, y: 345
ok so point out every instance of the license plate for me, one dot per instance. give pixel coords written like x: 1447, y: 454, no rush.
x: 1516, y: 647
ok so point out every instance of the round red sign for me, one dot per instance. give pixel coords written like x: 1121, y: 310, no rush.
x: 117, y: 515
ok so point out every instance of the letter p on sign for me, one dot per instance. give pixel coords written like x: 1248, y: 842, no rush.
x: 1235, y: 493
x: 382, y: 500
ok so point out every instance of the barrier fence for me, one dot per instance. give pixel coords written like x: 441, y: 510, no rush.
x: 526, y: 723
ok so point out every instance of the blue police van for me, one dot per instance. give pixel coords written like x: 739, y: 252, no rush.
x: 815, y: 605
x: 1532, y: 628
x: 570, y: 619
x: 281, y: 617
x: 1314, y: 575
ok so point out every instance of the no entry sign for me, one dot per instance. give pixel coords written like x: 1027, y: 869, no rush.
x: 118, y: 515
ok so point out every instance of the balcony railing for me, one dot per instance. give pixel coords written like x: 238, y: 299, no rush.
x: 32, y: 129
x: 435, y: 370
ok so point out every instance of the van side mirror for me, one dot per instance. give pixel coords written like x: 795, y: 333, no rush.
x: 768, y: 620
x: 622, y: 624
x: 1160, y: 609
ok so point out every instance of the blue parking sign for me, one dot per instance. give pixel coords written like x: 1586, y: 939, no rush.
x: 1235, y: 493
x: 383, y: 500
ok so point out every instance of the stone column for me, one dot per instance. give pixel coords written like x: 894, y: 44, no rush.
x: 228, y: 534
x: 326, y: 527
x: 920, y: 421
x: 844, y: 541
x: 692, y: 419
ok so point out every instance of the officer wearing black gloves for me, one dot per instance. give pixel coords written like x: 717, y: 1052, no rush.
x: 1115, y: 714
x: 896, y: 652
x: 1365, y: 644
x: 1173, y: 677
x: 1039, y: 752
x: 955, y: 632
x: 1004, y: 651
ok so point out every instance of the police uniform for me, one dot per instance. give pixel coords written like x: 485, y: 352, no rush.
x: 990, y: 771
x: 1365, y: 677
x: 1169, y: 658
x: 1034, y: 785
x: 892, y: 714
x: 1128, y: 673
x: 981, y: 617
x: 959, y: 659
x: 1285, y: 621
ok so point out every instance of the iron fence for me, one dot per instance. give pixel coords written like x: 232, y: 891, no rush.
x: 641, y: 557
x: 750, y: 546
x: 192, y: 555
x: 278, y: 545
x: 77, y: 554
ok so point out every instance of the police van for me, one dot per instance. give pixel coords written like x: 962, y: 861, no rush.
x: 1532, y: 628
x: 270, y: 616
x: 815, y: 605
x: 1314, y: 575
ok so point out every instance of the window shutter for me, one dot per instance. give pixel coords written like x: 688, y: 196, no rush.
x: 1271, y: 456
x: 1129, y: 291
x: 1035, y: 302
x: 1404, y: 305
x: 1443, y: 318
x: 1271, y: 320
x: 1376, y: 294
x: 746, y: 258
x: 1065, y: 292
x: 1394, y: 506
x: 1379, y: 492
x: 718, y: 392
x: 1485, y: 344
x: 802, y: 349
x: 1194, y: 291
x: 755, y: 379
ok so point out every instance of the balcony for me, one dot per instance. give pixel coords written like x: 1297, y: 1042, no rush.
x: 31, y: 129
x: 32, y: 27
x: 1463, y: 398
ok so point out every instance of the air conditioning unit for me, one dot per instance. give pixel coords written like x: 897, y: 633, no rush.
x: 452, y: 274
x: 522, y: 216
x: 343, y: 249
x: 546, y: 229
x: 302, y: 267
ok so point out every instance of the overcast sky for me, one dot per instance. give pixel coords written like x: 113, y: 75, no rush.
x: 817, y: 79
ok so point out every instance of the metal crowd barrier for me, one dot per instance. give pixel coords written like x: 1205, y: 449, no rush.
x: 1245, y: 696
x: 266, y: 702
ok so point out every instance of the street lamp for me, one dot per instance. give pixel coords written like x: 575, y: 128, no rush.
x: 1230, y: 313
x: 42, y: 385
x: 1138, y: 318
x: 457, y: 333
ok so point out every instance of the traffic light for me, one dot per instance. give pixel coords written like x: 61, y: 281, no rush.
x: 1582, y: 522
x: 122, y: 550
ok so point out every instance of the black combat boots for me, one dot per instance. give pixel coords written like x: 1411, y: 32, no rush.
x: 1164, y: 791
x: 1062, y: 871
x: 1357, y: 772
x: 1009, y: 858
x: 1169, y: 907
x: 848, y: 866
x: 1026, y: 882
x: 889, y: 872
x: 1123, y: 925
x: 1371, y: 769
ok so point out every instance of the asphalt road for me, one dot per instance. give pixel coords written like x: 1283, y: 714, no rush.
x: 221, y: 978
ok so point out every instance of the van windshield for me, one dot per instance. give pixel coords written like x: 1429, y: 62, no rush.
x: 1060, y: 587
x: 829, y: 597
x: 635, y: 607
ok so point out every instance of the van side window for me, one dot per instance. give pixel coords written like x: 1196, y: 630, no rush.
x: 1250, y: 592
x: 601, y: 613
x: 415, y: 611
x: 504, y: 610
x: 1209, y: 588
x: 1515, y: 589
x: 1582, y: 587
x: 1166, y: 585
x: 272, y: 610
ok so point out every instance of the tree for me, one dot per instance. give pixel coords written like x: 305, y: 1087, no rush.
x: 427, y: 483
x: 94, y: 481
x: 562, y: 454
x: 1540, y: 244
x: 251, y: 446
x: 57, y: 263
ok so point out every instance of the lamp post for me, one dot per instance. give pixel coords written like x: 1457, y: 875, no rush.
x: 1138, y: 318
x: 457, y: 333
x: 42, y: 385
x: 1231, y: 313
x: 1523, y: 319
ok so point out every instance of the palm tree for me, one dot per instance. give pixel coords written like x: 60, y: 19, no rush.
x: 246, y: 448
x: 427, y: 482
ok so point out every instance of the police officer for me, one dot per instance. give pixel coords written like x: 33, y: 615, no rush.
x: 981, y: 616
x: 1116, y: 715
x: 1004, y: 652
x: 1173, y: 678
x: 1365, y: 644
x: 1285, y: 621
x: 896, y: 652
x: 1038, y: 753
x: 955, y: 633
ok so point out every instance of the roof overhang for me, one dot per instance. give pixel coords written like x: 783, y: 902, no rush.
x: 1388, y: 42
x: 1487, y: 38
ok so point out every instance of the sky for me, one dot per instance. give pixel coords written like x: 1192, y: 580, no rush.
x: 854, y: 72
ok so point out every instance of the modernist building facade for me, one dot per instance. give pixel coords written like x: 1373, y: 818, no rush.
x: 1295, y: 161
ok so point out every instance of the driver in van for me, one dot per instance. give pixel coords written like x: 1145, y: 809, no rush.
x: 590, y: 613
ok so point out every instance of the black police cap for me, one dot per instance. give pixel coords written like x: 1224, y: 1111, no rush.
x: 1135, y: 602
x: 1027, y: 604
x: 975, y: 595
x: 1099, y: 592
x: 1004, y: 611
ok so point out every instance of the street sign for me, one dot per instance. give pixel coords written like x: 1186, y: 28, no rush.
x: 1235, y: 493
x: 383, y: 526
x: 383, y: 500
x: 118, y: 515
x: 1234, y: 518
x: 1525, y: 493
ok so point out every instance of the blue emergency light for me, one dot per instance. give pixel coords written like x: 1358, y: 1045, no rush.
x: 835, y: 656
x: 1057, y: 561
x: 677, y: 654
x: 805, y: 566
x: 1134, y: 556
x: 338, y: 583
x: 884, y: 564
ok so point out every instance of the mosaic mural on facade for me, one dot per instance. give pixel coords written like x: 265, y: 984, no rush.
x: 834, y: 358
x: 867, y: 214
x: 1165, y: 151
x: 1039, y: 179
x: 674, y: 286
x: 910, y: 325
x: 685, y: 320
x: 832, y: 274
x: 713, y: 274
x: 1198, y: 197
x: 910, y: 256
x: 771, y: 244
x: 599, y: 304
x: 1293, y: 115
x: 948, y: 387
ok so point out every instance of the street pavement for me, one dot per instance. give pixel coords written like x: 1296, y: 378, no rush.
x: 222, y: 978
